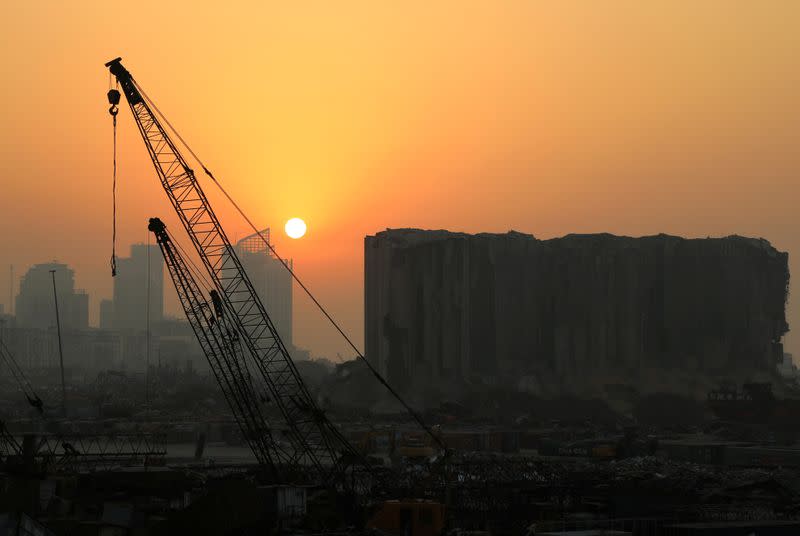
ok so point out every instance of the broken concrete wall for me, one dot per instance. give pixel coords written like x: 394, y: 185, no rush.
x: 573, y: 313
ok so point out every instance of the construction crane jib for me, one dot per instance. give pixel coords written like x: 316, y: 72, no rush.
x: 315, y: 442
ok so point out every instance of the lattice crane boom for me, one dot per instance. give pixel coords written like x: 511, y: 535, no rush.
x: 7, y: 358
x: 218, y: 340
x: 316, y: 441
x: 9, y: 446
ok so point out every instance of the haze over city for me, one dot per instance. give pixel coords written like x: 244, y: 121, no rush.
x: 546, y: 118
x: 542, y: 256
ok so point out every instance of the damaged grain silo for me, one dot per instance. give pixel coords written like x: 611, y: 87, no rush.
x: 573, y: 314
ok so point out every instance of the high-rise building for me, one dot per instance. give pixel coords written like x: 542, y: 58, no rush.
x: 272, y: 282
x: 131, y: 289
x: 35, y: 303
x: 78, y: 309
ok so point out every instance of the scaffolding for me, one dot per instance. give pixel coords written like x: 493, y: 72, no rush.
x: 255, y: 243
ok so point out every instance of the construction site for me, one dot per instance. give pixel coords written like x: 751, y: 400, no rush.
x: 584, y: 385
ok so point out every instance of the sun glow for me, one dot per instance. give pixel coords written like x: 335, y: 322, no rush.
x: 295, y: 228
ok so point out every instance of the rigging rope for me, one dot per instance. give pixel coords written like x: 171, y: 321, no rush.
x: 147, y: 337
x: 319, y: 306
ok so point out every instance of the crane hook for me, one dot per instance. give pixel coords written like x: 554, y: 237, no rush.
x: 113, y: 100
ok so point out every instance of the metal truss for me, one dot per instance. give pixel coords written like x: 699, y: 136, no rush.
x: 22, y: 381
x: 9, y: 446
x: 220, y: 344
x: 89, y: 452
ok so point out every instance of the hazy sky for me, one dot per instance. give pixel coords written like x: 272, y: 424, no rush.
x: 549, y: 118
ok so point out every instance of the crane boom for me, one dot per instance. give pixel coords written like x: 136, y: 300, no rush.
x: 22, y: 380
x: 9, y: 446
x: 316, y: 441
x: 219, y: 342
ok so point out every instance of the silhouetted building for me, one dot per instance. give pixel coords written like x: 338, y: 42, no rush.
x: 572, y: 313
x: 272, y: 282
x: 131, y: 289
x: 35, y: 304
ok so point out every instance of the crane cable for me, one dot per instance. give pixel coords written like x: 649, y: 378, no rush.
x: 113, y: 100
x: 322, y: 309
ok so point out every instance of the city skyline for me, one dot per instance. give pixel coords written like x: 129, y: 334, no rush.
x: 272, y: 282
x: 431, y: 268
x: 545, y: 119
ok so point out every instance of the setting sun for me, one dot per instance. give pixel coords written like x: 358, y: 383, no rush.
x: 295, y: 228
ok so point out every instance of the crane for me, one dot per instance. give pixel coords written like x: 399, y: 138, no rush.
x: 314, y: 441
x: 220, y: 344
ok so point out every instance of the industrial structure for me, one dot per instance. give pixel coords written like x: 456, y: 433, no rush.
x: 572, y: 314
x: 252, y: 353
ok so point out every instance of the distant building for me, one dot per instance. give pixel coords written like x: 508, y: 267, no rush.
x: 106, y: 314
x: 35, y: 304
x: 7, y: 322
x: 787, y: 368
x: 130, y: 308
x: 178, y: 344
x: 79, y: 309
x: 272, y: 282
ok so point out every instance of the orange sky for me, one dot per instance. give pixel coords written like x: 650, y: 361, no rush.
x: 545, y: 117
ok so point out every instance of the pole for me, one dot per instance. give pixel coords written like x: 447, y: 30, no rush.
x: 147, y: 336
x: 60, y: 349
